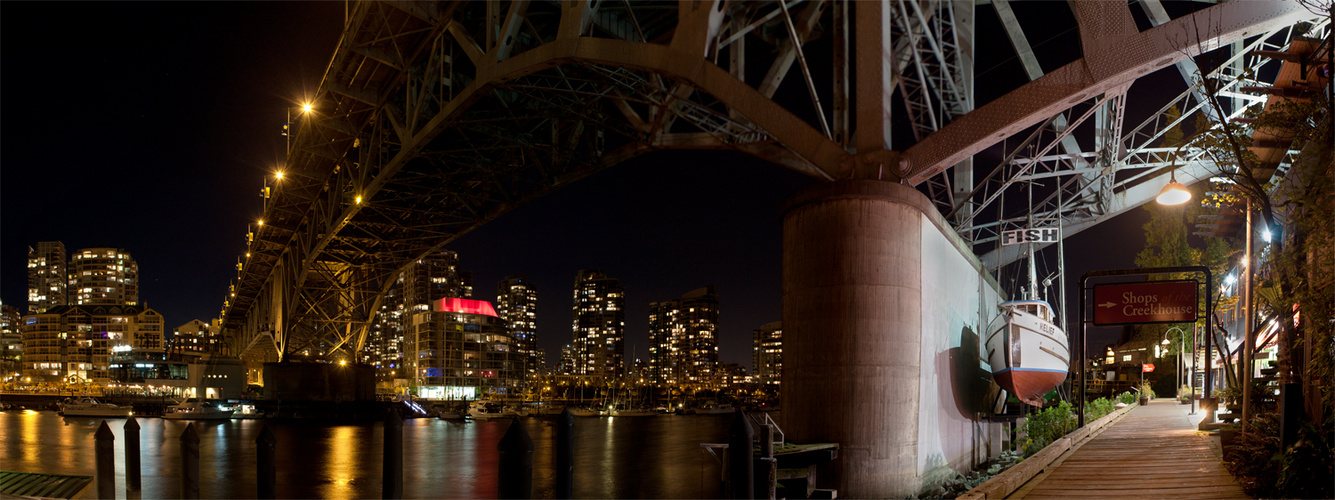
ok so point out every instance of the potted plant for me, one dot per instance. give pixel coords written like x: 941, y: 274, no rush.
x: 1145, y: 393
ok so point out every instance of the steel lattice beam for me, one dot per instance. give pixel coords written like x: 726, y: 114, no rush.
x: 436, y: 117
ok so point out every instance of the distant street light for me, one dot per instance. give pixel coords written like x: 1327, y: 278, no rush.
x: 1181, y: 362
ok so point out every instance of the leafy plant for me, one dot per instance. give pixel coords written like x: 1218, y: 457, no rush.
x: 1127, y: 398
x: 1047, y: 425
x: 1097, y: 408
x: 1146, y: 391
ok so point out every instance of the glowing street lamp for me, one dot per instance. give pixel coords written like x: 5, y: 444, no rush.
x: 1174, y: 193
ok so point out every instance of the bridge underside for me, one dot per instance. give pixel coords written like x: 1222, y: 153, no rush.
x: 437, y: 117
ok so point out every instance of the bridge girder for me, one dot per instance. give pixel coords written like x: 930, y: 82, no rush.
x: 436, y: 117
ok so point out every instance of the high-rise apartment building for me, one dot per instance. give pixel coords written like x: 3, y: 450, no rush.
x: 431, y: 278
x: 598, y: 325
x: 767, y: 353
x: 11, y: 341
x: 461, y: 350
x: 47, y: 276
x: 683, y: 346
x: 103, y: 276
x: 74, y: 344
x: 517, y: 304
x: 568, y: 362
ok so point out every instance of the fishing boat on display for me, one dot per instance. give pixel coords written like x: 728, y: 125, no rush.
x: 1026, y: 349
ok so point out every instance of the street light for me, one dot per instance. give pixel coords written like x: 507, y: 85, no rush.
x: 1174, y: 193
x: 1181, y: 362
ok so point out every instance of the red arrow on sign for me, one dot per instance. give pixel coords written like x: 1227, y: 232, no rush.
x: 1147, y: 367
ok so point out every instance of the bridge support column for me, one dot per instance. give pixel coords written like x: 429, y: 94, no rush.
x: 853, y: 321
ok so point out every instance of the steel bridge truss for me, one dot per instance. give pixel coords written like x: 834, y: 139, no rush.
x: 436, y: 117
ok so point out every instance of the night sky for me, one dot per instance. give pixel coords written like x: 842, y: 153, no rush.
x: 149, y: 127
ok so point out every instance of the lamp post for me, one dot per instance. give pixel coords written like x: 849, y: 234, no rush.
x: 1181, y: 333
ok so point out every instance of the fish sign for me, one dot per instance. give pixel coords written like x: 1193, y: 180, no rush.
x: 1146, y: 302
x: 1019, y: 236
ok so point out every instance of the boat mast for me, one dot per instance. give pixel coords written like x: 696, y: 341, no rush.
x: 1033, y: 271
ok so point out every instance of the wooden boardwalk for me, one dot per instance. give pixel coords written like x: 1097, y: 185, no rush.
x: 1154, y: 452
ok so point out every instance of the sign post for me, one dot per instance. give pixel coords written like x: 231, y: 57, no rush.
x: 1142, y: 302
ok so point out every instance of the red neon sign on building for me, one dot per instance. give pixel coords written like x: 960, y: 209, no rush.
x: 469, y: 306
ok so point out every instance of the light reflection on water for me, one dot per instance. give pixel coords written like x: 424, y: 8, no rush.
x: 647, y: 457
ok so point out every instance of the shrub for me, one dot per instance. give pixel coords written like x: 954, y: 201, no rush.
x: 1127, y: 398
x: 1046, y: 426
x: 1097, y: 408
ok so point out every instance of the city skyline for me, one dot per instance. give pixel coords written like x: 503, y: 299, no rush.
x: 175, y: 141
x: 173, y: 145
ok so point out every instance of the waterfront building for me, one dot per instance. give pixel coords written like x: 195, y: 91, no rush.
x: 767, y: 353
x: 195, y: 338
x: 730, y: 375
x: 598, y: 325
x: 104, y: 276
x: 461, y: 349
x: 431, y: 278
x: 566, y: 366
x: 47, y: 276
x: 683, y: 334
x: 517, y: 304
x: 11, y: 342
x: 73, y: 344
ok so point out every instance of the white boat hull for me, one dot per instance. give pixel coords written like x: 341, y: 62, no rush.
x: 95, y: 410
x: 1028, y: 355
x: 634, y: 413
x: 193, y: 410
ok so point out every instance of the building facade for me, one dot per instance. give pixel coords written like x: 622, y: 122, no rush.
x: 11, y: 343
x: 103, y: 277
x: 767, y: 353
x: 47, y: 276
x: 598, y: 325
x: 431, y: 278
x: 683, y: 347
x: 461, y: 349
x: 517, y: 304
x: 73, y: 344
x: 196, y: 338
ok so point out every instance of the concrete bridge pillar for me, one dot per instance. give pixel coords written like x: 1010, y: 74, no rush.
x: 853, y: 324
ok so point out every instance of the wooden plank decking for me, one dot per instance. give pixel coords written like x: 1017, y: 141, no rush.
x: 33, y: 485
x: 1154, y: 452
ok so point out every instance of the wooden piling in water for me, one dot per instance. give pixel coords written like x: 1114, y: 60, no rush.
x: 515, y: 474
x: 104, y: 449
x: 266, y: 464
x: 565, y: 455
x: 190, y: 462
x: 133, y: 479
x: 393, y: 461
x: 741, y: 470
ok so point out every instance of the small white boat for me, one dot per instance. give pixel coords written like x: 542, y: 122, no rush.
x: 715, y: 409
x: 1027, y: 351
x: 551, y: 410
x: 449, y: 412
x: 89, y: 407
x: 584, y: 412
x: 485, y: 410
x: 515, y: 411
x: 193, y: 409
x: 633, y: 412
